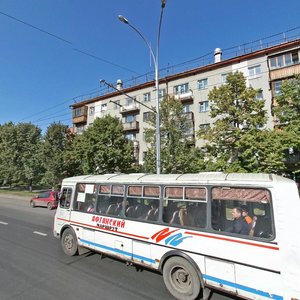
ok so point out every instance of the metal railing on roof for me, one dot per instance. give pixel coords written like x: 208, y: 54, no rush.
x: 204, y: 60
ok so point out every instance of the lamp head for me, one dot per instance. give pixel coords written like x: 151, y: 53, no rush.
x: 123, y: 19
x: 163, y: 3
x: 102, y: 81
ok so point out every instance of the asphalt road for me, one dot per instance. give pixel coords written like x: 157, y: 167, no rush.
x: 33, y: 265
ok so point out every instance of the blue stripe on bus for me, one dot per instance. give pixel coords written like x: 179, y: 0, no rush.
x: 207, y: 277
x: 129, y: 254
x: 242, y: 287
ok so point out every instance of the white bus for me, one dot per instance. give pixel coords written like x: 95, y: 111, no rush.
x: 186, y: 227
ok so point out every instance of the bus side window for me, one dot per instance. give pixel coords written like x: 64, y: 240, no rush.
x: 263, y: 224
x: 137, y: 208
x: 102, y: 203
x: 114, y: 207
x: 247, y: 208
x: 185, y: 213
x: 152, y: 214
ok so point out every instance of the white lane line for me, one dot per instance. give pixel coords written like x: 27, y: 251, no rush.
x: 40, y: 233
x: 3, y: 223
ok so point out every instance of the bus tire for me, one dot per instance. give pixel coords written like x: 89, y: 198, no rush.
x: 181, y: 278
x: 69, y: 242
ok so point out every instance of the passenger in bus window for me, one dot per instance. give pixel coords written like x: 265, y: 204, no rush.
x: 240, y: 226
x: 245, y: 213
x: 185, y: 215
x: 152, y: 214
x: 169, y: 211
x: 91, y: 204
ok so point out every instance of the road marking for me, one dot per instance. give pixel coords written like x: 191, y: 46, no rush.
x: 3, y: 223
x: 40, y: 233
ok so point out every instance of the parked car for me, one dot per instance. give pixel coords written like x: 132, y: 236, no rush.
x: 48, y: 199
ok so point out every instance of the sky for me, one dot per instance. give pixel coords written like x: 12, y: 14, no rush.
x: 54, y: 52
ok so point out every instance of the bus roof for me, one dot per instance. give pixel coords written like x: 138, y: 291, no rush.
x: 204, y: 177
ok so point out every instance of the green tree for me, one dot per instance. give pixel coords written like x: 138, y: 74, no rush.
x: 235, y: 143
x: 55, y: 143
x: 178, y: 155
x: 8, y: 153
x: 287, y: 112
x: 29, y: 141
x: 20, y: 156
x: 104, y: 149
x: 72, y: 155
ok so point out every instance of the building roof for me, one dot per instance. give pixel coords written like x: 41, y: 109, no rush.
x: 195, y: 71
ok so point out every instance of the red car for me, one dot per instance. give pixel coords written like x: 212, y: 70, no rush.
x: 48, y: 199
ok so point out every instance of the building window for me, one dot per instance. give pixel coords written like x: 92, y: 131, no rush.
x: 91, y: 110
x: 254, y: 71
x: 284, y: 60
x: 186, y: 108
x: 117, y: 104
x: 130, y: 136
x: 202, y: 84
x: 104, y: 107
x: 147, y: 116
x: 147, y: 97
x: 130, y: 119
x: 204, y: 126
x: 161, y: 93
x: 224, y: 77
x: 259, y: 96
x: 181, y: 89
x: 78, y: 112
x: 130, y: 101
x: 277, y: 87
x: 204, y: 106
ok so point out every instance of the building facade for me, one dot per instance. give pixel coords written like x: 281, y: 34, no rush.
x: 263, y: 69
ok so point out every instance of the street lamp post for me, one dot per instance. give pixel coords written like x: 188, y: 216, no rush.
x: 155, y: 61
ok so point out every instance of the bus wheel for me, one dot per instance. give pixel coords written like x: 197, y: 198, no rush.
x: 69, y: 242
x: 181, y: 278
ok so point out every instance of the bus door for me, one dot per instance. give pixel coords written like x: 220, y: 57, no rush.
x: 64, y: 207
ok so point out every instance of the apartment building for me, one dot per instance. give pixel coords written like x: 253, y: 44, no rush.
x: 264, y: 69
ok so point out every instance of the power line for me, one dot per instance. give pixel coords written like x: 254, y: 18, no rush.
x: 68, y: 42
x: 37, y: 28
x: 104, y: 60
x: 48, y: 118
x: 44, y: 110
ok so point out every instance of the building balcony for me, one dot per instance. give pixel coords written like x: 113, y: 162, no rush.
x: 79, y: 115
x: 129, y: 108
x: 189, y: 116
x: 284, y: 72
x: 185, y: 97
x: 131, y: 126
